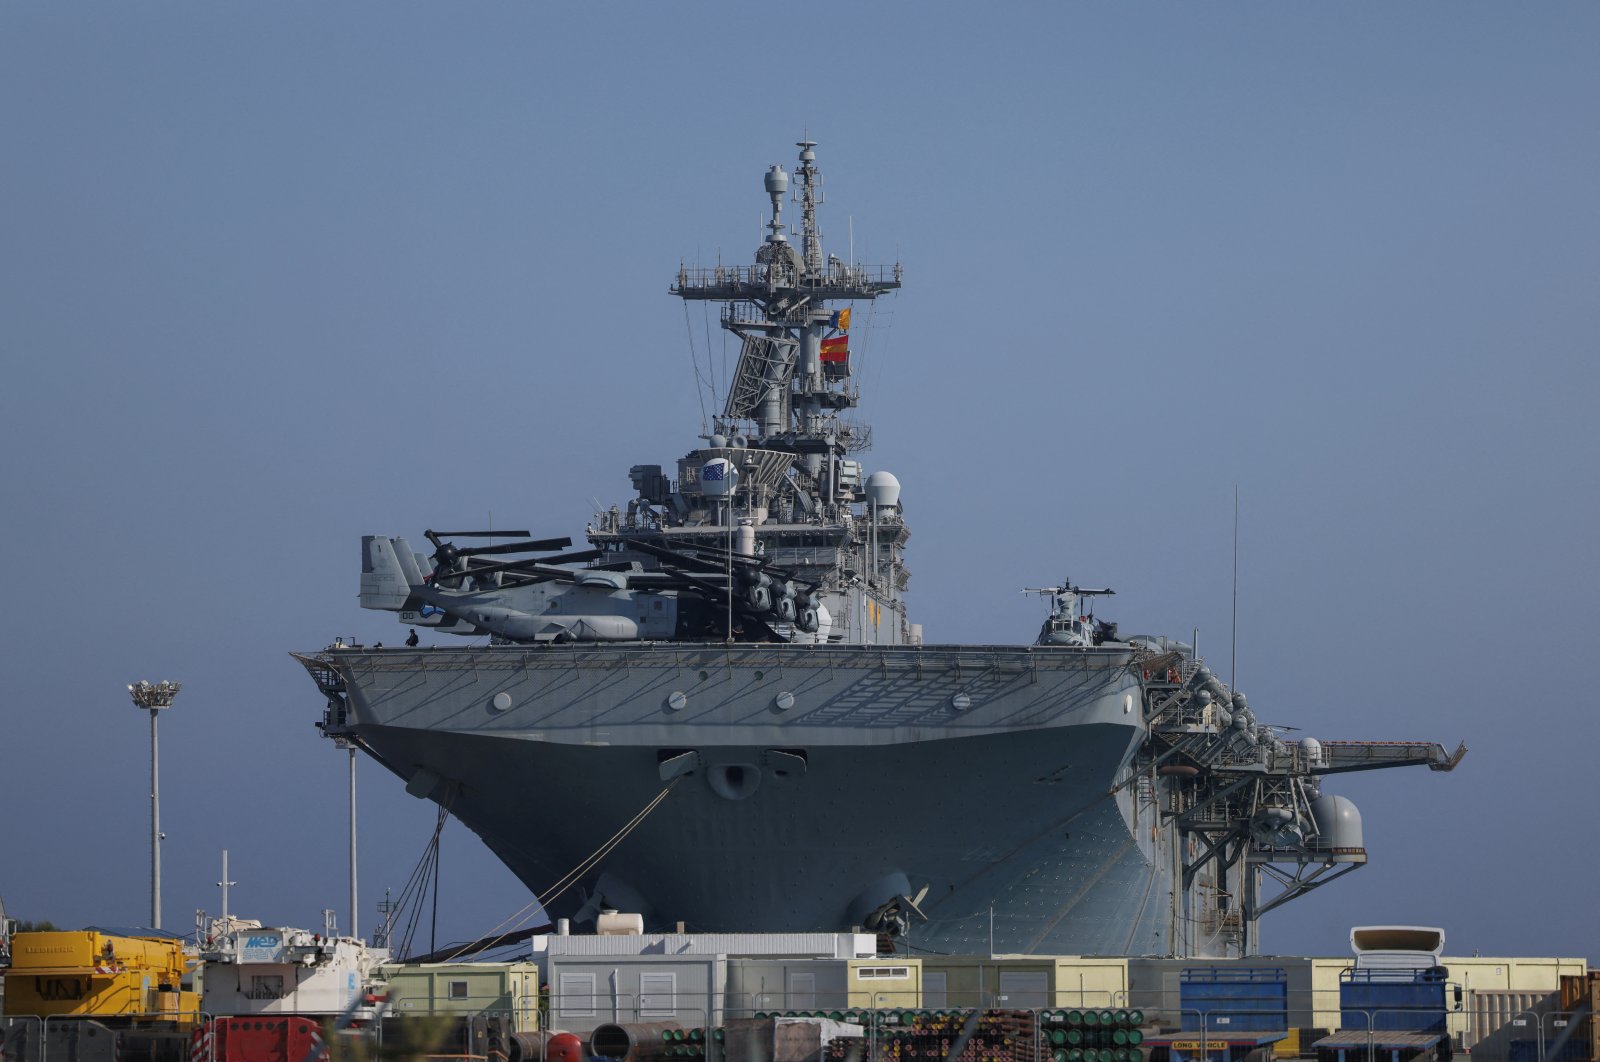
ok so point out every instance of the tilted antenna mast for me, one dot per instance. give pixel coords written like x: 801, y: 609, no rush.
x: 1233, y: 663
x: 811, y: 239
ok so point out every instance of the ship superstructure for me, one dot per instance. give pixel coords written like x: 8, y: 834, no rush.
x: 726, y: 684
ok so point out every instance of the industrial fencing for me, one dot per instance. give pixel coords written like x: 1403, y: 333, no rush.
x: 150, y: 1036
x: 1076, y: 1026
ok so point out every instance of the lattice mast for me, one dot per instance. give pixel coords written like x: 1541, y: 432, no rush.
x: 783, y: 389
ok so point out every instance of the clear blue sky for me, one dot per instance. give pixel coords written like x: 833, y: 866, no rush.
x: 275, y: 276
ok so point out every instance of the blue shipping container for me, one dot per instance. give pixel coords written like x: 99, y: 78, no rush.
x: 1234, y: 999
x: 1399, y: 1000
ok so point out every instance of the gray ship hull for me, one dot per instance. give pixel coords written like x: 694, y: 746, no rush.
x: 806, y: 785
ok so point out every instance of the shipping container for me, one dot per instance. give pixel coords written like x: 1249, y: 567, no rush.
x: 1229, y: 1000
x: 489, y: 989
x: 587, y: 991
x: 1394, y: 999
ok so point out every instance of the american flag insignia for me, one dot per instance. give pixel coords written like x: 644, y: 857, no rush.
x: 711, y: 471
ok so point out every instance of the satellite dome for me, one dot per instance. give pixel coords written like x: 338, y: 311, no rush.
x: 718, y: 477
x: 883, y: 489
x: 1338, y: 824
x: 718, y: 441
x: 777, y: 181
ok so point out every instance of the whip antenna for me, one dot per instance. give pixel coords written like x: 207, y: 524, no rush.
x: 1233, y: 664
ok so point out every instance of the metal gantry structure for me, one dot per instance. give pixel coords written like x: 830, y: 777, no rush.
x: 1248, y: 805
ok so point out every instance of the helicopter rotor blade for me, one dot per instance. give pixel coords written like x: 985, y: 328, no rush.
x: 720, y: 559
x: 531, y: 545
x: 756, y: 627
x: 577, y: 556
x: 476, y: 534
x: 724, y: 555
x: 525, y: 580
x: 662, y: 580
x: 529, y: 563
x: 682, y: 560
x: 717, y: 561
x: 547, y: 573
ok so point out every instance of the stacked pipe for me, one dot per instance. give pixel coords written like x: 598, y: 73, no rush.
x: 544, y: 1045
x: 1093, y: 1035
x: 959, y: 1035
x: 690, y: 1043
x: 646, y: 1041
x: 855, y: 1017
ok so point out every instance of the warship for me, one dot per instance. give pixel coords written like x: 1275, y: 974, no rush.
x: 719, y: 713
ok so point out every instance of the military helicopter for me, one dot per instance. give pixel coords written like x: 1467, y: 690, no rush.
x: 1069, y: 623
x: 694, y: 593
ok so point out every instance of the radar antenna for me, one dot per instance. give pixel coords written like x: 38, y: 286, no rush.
x: 810, y: 182
x: 777, y: 182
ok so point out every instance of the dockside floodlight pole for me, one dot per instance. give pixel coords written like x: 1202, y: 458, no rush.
x: 355, y: 930
x: 350, y: 746
x: 153, y: 697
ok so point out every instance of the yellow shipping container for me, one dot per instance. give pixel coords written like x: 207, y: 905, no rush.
x: 892, y: 982
x: 1535, y: 977
x: 1024, y: 981
x: 491, y: 989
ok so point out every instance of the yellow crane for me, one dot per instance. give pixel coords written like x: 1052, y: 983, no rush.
x: 94, y: 974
